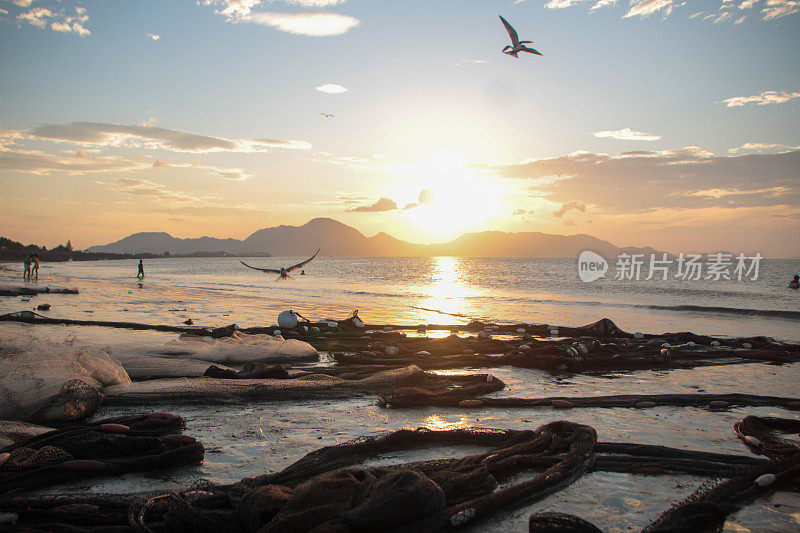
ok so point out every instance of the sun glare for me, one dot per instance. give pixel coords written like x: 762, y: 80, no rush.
x: 452, y: 196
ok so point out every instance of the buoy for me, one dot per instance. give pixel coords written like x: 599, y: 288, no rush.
x: 645, y: 404
x: 562, y: 404
x: 287, y: 319
x: 391, y: 351
x: 714, y: 343
x: 114, y: 428
x: 638, y: 335
x: 276, y: 333
x: 462, y: 517
x: 182, y: 439
x: 752, y: 441
x: 765, y: 481
x: 666, y: 345
x: 554, y: 332
x: 314, y: 330
x: 525, y: 347
x: 690, y: 344
x: 747, y: 345
x: 382, y: 401
x: 83, y: 465
x: 332, y: 324
x: 470, y: 403
x: 4, y: 457
x: 719, y: 404
x: 520, y: 330
x: 357, y: 322
x: 423, y: 353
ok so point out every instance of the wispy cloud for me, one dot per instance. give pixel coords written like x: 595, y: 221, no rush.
x: 762, y: 148
x: 666, y: 179
x: 60, y: 20
x: 779, y: 8
x: 627, y: 134
x: 332, y: 88
x: 311, y: 23
x: 578, y: 206
x: 771, y: 9
x: 763, y: 98
x: 153, y: 36
x: 462, y: 62
x: 384, y: 204
x: 105, y: 134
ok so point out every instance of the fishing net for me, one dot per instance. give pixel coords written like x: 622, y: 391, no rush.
x: 241, y: 348
x: 641, y: 401
x: 108, y: 447
x: 763, y: 435
x: 54, y: 382
x: 304, y: 385
x: 146, y: 367
x: 13, y: 431
x: 326, y: 491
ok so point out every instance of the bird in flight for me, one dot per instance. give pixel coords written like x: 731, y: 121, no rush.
x: 283, y: 272
x: 516, y: 45
x: 327, y: 115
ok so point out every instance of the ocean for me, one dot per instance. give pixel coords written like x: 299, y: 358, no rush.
x: 438, y: 290
x: 250, y: 438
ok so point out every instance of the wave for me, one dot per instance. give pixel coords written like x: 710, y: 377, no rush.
x: 772, y: 313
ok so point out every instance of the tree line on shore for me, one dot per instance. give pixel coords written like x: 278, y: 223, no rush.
x: 16, y: 251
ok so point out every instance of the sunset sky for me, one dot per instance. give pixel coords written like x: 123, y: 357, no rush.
x: 655, y: 122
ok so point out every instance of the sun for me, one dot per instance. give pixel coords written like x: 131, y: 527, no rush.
x: 452, y: 196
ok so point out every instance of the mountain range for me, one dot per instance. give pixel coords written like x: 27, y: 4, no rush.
x: 338, y: 239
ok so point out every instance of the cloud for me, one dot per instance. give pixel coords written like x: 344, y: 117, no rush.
x: 779, y: 8
x: 645, y: 8
x: 470, y: 62
x: 519, y: 212
x: 426, y: 196
x: 145, y: 136
x: 332, y: 88
x: 561, y: 211
x: 384, y: 204
x: 627, y: 134
x: 239, y: 9
x: 153, y: 36
x: 762, y: 148
x: 41, y: 163
x: 637, y: 182
x: 763, y: 98
x: 311, y: 23
x: 59, y: 21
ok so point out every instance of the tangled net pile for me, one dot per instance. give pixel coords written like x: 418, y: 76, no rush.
x: 107, y: 447
x: 324, y: 491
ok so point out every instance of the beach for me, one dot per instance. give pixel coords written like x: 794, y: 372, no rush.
x: 251, y: 438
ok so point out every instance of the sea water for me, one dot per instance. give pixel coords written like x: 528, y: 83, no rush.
x: 438, y: 290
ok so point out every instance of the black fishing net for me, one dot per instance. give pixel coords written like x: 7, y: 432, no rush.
x: 108, y: 447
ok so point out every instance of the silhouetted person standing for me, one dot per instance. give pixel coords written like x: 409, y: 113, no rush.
x: 141, y: 270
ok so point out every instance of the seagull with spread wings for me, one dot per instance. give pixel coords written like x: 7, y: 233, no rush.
x: 284, y: 272
x: 516, y: 46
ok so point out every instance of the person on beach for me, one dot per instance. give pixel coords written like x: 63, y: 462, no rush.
x: 795, y: 283
x: 26, y: 274
x: 141, y: 270
x: 35, y: 266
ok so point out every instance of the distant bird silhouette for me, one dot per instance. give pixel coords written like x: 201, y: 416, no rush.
x: 516, y: 46
x: 327, y: 115
x: 284, y: 272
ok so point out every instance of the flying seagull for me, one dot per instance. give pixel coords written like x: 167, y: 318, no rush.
x: 516, y: 46
x: 284, y: 272
x: 326, y: 115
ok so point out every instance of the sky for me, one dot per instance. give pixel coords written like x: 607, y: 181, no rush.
x: 647, y: 123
